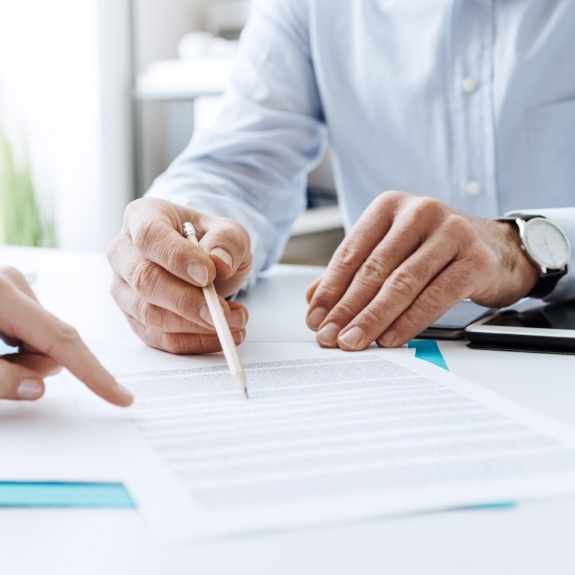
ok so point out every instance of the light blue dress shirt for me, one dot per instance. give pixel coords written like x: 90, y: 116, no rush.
x: 469, y: 101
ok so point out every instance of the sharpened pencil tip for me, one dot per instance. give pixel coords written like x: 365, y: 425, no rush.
x: 240, y: 377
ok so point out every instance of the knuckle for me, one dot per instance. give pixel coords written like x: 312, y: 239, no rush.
x: 408, y: 324
x: 181, y: 303
x: 346, y: 256
x: 170, y: 257
x: 373, y: 272
x: 456, y: 223
x: 143, y: 276
x: 415, y: 318
x: 460, y: 229
x: 436, y: 294
x: 325, y: 296
x: 425, y: 209
x: 227, y: 231
x: 344, y: 309
x: 403, y: 282
x: 171, y: 342
x: 372, y: 318
x: 148, y: 314
x: 145, y: 235
x: 67, y: 334
x: 427, y: 204
x: 182, y: 343
x: 389, y: 197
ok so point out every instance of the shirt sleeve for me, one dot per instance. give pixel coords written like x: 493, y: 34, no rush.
x: 252, y: 164
x: 565, y: 219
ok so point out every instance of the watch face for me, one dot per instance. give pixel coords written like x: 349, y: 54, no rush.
x: 546, y: 243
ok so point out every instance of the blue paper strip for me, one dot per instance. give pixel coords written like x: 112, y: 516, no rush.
x: 497, y: 505
x: 428, y: 350
x: 5, y: 348
x: 64, y: 494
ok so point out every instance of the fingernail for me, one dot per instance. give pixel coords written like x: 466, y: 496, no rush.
x: 223, y: 255
x: 327, y: 335
x: 29, y: 389
x: 387, y: 339
x: 206, y: 315
x: 315, y: 317
x: 198, y: 273
x: 237, y: 319
x: 238, y: 337
x: 352, y: 338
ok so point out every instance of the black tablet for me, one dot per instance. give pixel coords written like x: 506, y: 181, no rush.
x: 530, y: 325
x: 452, y: 323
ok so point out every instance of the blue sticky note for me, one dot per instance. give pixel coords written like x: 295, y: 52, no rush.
x: 428, y: 350
x: 64, y: 494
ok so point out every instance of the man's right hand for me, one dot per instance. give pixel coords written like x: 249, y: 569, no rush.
x: 158, y: 275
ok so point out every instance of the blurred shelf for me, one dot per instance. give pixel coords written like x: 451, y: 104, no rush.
x: 177, y: 80
x: 315, y: 220
x: 315, y: 236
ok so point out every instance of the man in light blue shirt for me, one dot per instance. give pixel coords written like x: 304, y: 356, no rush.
x: 465, y: 106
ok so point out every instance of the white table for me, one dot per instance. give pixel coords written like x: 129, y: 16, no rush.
x: 531, y: 538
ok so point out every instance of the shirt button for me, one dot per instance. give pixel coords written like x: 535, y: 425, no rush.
x: 469, y: 84
x: 473, y: 188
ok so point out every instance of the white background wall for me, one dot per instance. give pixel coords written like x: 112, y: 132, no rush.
x: 65, y: 84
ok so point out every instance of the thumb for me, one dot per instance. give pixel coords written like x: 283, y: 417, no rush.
x: 17, y: 382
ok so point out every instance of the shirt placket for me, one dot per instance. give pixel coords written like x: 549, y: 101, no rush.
x: 470, y: 48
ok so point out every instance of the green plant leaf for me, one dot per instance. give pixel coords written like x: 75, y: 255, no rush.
x: 21, y: 219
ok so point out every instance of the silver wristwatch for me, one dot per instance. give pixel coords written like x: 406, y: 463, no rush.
x: 546, y: 245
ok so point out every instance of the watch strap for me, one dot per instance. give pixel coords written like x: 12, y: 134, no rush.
x: 546, y: 285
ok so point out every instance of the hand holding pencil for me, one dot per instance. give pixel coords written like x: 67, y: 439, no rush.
x: 159, y: 275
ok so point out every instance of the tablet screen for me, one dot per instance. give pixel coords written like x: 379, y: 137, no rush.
x: 560, y: 315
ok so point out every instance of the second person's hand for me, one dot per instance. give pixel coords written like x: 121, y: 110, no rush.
x: 44, y: 345
x: 158, y: 275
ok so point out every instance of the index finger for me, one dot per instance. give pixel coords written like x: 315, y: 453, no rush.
x: 348, y: 258
x: 28, y: 321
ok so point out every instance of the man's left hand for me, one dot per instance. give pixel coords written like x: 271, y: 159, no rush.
x: 406, y: 262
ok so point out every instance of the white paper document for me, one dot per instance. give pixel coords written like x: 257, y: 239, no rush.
x: 325, y: 437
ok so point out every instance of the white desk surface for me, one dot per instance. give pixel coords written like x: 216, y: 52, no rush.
x: 530, y: 538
